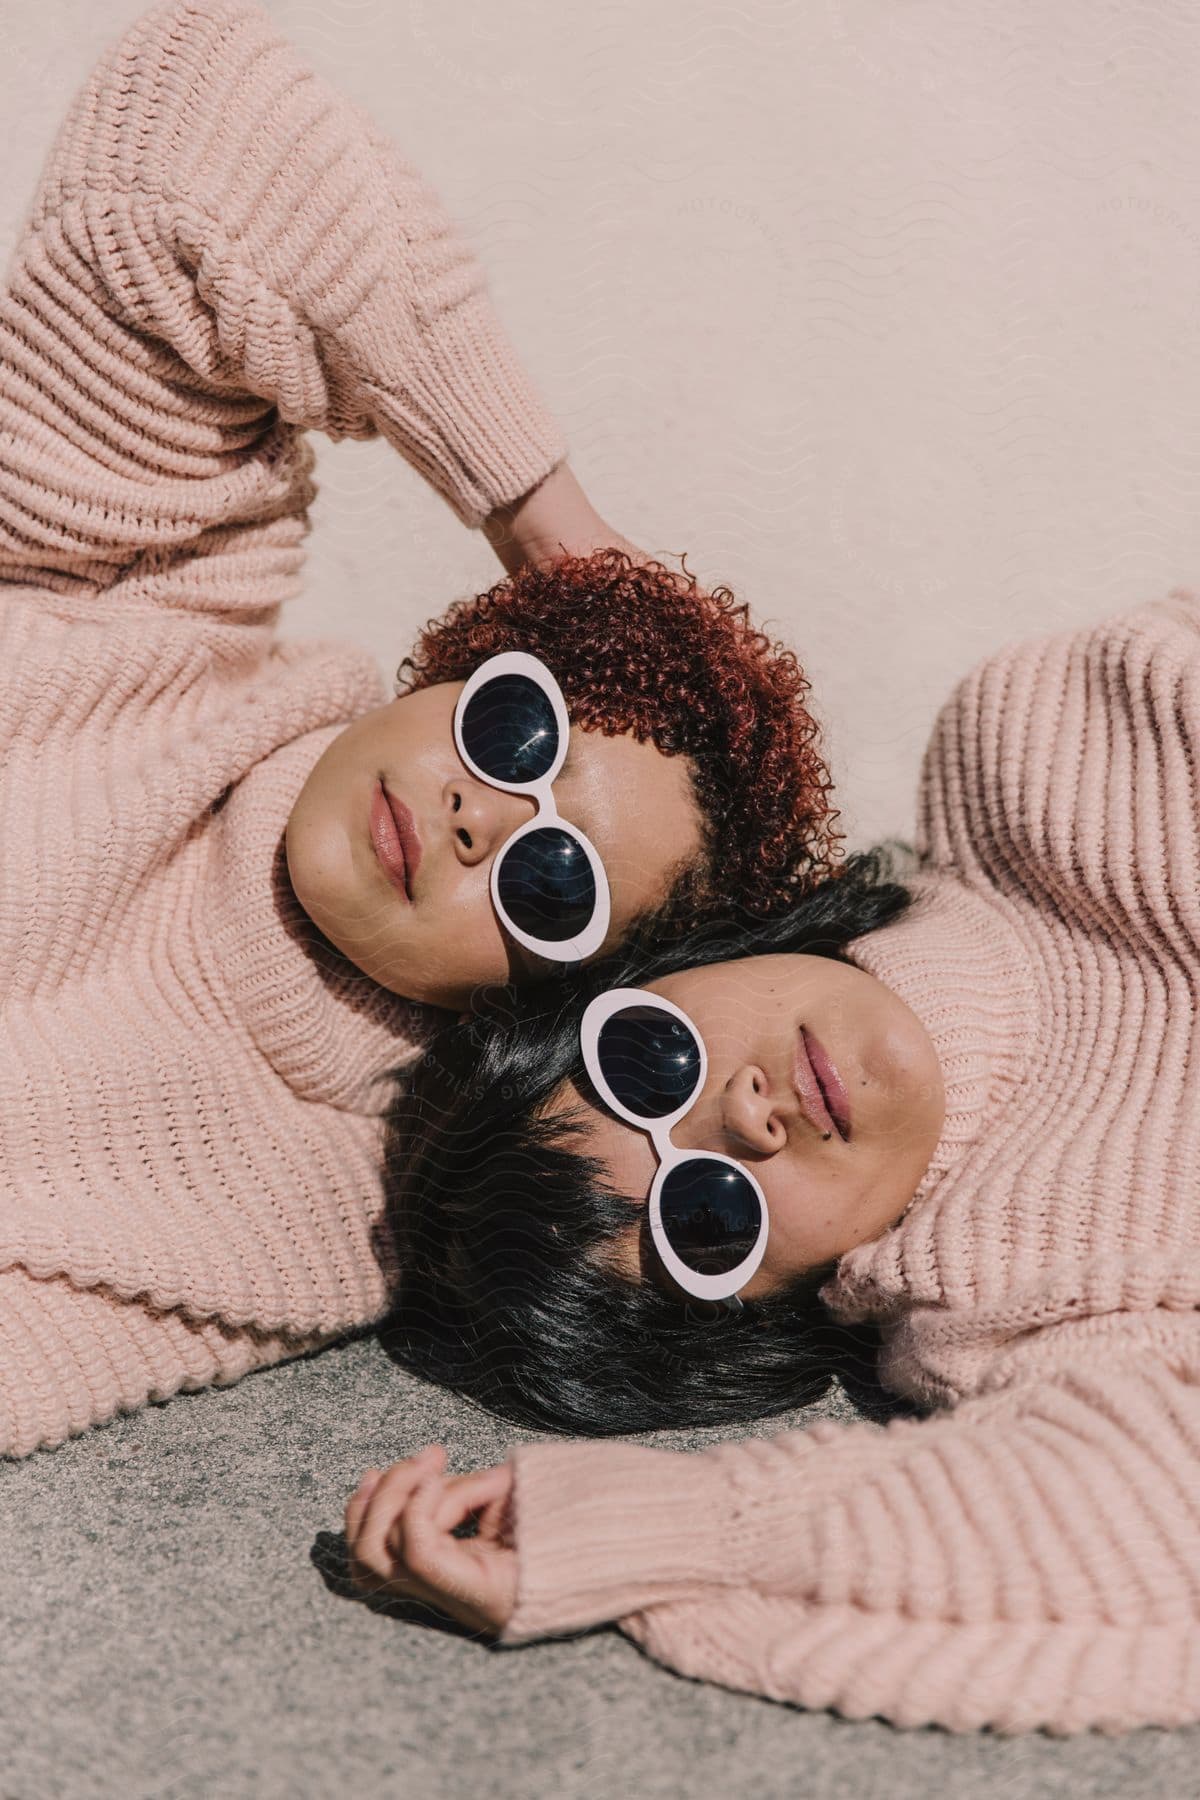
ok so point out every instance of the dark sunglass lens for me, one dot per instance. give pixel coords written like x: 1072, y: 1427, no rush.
x: 650, y: 1060
x: 509, y: 729
x: 711, y: 1215
x: 546, y: 885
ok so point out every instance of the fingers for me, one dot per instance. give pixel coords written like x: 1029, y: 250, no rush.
x: 399, y: 1529
x: 400, y: 1532
x: 356, y: 1505
x: 376, y: 1506
x: 477, y: 1492
x: 464, y: 1577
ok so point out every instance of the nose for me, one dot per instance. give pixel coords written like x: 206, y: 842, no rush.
x: 752, y: 1113
x: 481, y: 817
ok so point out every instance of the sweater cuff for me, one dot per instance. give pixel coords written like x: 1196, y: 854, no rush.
x: 490, y: 436
x: 279, y: 188
x: 604, y: 1529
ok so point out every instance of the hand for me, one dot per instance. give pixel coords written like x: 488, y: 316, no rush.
x: 555, y: 518
x: 399, y: 1526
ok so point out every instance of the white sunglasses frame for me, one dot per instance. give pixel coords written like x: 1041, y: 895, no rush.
x: 596, y: 1016
x: 589, y: 940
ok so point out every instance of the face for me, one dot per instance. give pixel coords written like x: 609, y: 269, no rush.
x: 634, y: 804
x: 772, y: 1026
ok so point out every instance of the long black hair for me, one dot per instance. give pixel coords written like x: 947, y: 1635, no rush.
x: 498, y: 1220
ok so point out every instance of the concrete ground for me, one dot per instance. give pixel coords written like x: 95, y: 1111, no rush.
x: 177, y: 1625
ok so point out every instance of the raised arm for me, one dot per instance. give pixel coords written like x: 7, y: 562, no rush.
x: 223, y: 250
x: 1039, y: 777
x: 1031, y: 1559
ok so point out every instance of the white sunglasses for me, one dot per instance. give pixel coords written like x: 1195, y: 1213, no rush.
x: 547, y: 882
x: 708, y: 1215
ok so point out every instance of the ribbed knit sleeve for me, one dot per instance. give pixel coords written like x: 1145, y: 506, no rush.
x: 1031, y: 1559
x: 1062, y: 770
x: 217, y: 228
x: 72, y: 1358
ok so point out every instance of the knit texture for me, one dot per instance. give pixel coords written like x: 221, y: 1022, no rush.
x: 222, y: 253
x: 1027, y: 1554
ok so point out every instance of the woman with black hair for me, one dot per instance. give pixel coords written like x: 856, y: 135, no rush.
x: 511, y: 1223
x: 984, y: 1112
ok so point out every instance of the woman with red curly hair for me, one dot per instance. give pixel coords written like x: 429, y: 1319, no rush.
x: 693, y: 768
x: 208, y: 968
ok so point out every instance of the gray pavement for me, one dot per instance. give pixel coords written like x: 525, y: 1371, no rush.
x: 176, y: 1624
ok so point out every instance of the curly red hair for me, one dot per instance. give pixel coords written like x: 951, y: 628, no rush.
x: 641, y: 649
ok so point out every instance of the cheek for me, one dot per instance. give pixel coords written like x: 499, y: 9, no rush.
x: 800, y: 1198
x: 463, y: 939
x: 813, y: 1218
x: 897, y: 1066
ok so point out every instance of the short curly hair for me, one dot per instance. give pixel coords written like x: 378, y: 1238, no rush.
x: 639, y: 648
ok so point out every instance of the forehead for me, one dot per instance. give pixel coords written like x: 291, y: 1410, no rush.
x: 639, y: 809
x: 629, y: 1167
x: 609, y: 774
x: 627, y: 1155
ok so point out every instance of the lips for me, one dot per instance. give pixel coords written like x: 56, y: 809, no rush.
x: 395, y: 841
x: 819, y: 1088
x: 406, y: 831
x: 833, y: 1091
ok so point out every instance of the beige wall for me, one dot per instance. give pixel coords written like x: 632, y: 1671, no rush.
x: 885, y: 313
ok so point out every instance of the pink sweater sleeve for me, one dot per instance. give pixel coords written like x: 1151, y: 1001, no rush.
x: 71, y: 1357
x: 210, y: 195
x: 1031, y: 1559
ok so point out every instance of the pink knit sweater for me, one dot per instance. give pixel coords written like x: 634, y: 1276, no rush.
x: 222, y: 251
x: 1029, y: 1555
